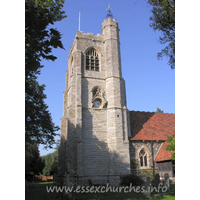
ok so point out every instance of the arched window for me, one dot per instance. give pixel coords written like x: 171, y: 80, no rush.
x: 143, y: 158
x: 92, y: 60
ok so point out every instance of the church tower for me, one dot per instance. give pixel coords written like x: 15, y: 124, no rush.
x: 95, y: 122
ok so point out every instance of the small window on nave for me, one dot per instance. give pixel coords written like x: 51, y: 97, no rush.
x: 143, y: 158
x: 92, y: 60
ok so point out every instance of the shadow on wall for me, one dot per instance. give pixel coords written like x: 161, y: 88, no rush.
x: 85, y: 151
x: 138, y: 119
x: 88, y: 157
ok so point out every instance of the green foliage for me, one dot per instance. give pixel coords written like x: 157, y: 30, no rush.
x: 39, y: 41
x: 159, y: 110
x: 34, y: 164
x: 51, y: 162
x: 38, y: 125
x: 163, y: 19
x: 171, y: 145
x: 163, y: 197
x: 126, y: 180
x: 135, y: 164
x: 149, y: 173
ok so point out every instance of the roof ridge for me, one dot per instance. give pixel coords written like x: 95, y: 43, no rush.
x: 150, y: 112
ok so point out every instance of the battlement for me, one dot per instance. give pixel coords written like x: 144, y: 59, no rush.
x: 109, y: 22
x: 82, y: 34
x: 86, y: 36
x: 110, y: 19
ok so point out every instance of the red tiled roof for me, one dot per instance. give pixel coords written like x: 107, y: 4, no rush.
x: 151, y: 126
x: 163, y: 154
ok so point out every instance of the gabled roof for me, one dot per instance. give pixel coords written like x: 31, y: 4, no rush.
x: 163, y: 154
x: 151, y: 126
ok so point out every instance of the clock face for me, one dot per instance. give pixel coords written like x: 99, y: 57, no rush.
x: 97, y: 103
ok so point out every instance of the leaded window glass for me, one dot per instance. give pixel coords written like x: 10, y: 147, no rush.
x: 92, y: 60
x: 143, y: 158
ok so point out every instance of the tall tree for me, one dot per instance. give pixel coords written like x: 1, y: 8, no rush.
x: 163, y: 19
x: 51, y: 162
x: 34, y: 164
x: 39, y: 41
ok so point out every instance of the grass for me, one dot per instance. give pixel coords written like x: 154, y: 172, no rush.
x: 46, y: 183
x: 41, y: 183
x: 111, y: 196
x: 165, y: 197
x: 37, y: 191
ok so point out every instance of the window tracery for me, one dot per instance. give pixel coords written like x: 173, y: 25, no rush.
x: 92, y: 60
x: 143, y: 158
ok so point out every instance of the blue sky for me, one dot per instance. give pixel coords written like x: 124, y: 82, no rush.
x: 150, y: 83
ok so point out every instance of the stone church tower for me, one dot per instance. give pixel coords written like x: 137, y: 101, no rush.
x: 95, y: 122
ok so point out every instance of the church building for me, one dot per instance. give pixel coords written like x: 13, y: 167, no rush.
x: 101, y: 140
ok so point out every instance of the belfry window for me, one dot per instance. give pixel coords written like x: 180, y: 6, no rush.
x: 92, y: 60
x: 143, y: 158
